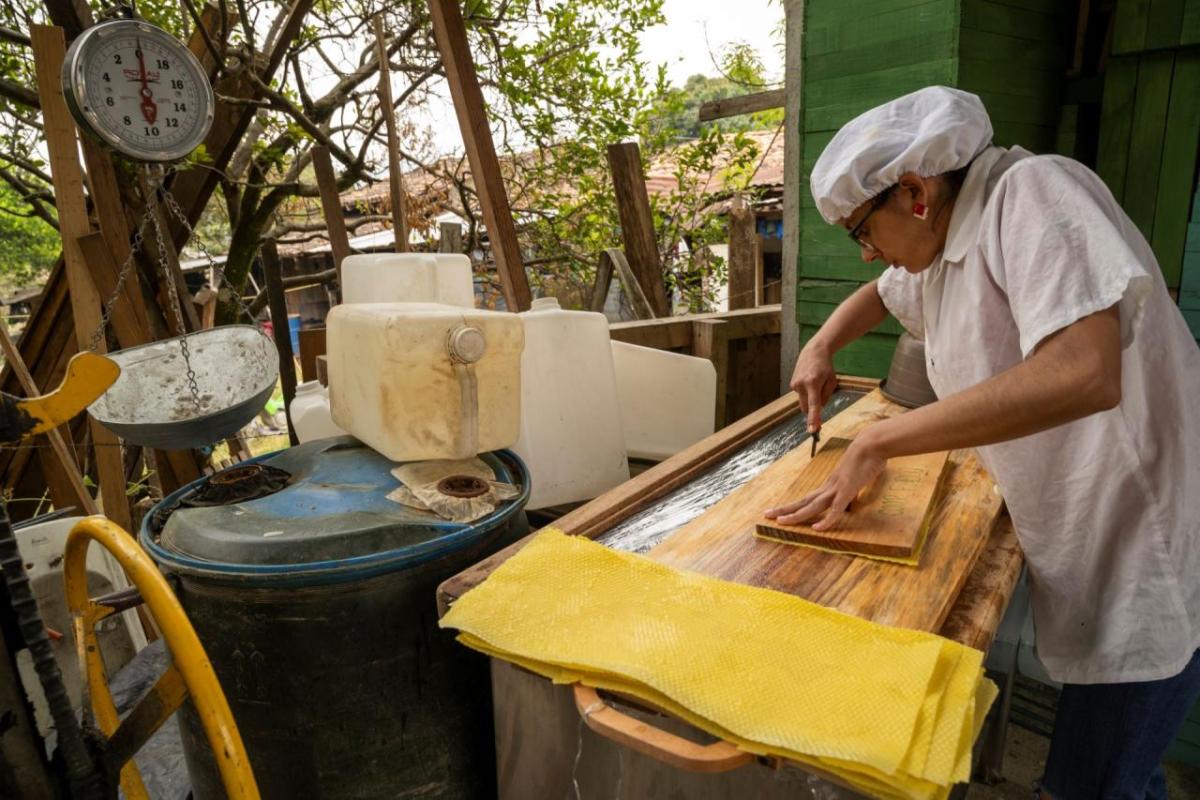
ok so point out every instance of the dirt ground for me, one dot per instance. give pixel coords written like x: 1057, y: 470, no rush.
x: 1025, y: 754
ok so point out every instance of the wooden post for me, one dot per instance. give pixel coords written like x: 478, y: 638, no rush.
x: 795, y: 184
x: 451, y: 34
x: 331, y: 207
x: 637, y: 226
x: 710, y: 340
x: 395, y: 175
x: 49, y: 48
x: 742, y: 104
x: 283, y: 337
x: 452, y: 238
x: 742, y: 238
x: 65, y: 460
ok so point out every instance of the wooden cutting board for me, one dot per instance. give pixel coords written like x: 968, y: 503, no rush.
x: 721, y: 541
x: 888, y: 518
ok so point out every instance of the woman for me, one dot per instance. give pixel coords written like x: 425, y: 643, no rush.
x: 1056, y: 351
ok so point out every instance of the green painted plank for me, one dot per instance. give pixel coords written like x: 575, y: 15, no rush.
x: 1044, y: 6
x: 1001, y: 108
x: 1129, y: 26
x: 833, y: 103
x: 868, y: 357
x: 1013, y: 53
x: 825, y: 291
x: 838, y: 269
x: 1146, y: 141
x: 992, y: 17
x: 1038, y: 138
x: 1189, y: 27
x: 1189, y: 301
x: 1193, y: 237
x: 1176, y: 184
x: 856, y: 60
x: 1193, y: 320
x: 1190, y: 278
x: 1163, y: 23
x: 816, y: 314
x: 1116, y: 123
x: 829, y: 34
x: 978, y: 74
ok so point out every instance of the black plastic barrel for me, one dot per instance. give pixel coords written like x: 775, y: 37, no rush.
x: 316, y: 606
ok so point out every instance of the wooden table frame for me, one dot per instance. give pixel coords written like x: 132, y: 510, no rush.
x: 973, y: 619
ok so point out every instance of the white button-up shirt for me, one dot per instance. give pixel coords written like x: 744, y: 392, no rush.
x: 1107, y: 507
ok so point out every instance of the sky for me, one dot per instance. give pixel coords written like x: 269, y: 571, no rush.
x: 695, y: 33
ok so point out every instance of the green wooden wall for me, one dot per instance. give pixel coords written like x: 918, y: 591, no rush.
x: 860, y: 53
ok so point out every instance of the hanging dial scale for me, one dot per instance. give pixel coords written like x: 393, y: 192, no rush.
x: 141, y: 93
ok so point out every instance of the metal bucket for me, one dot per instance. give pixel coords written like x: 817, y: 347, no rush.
x: 151, y: 405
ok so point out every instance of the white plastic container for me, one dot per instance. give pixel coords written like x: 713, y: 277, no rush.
x: 571, y: 436
x: 421, y: 381
x: 408, y: 278
x: 310, y: 413
x: 121, y: 635
x: 668, y: 400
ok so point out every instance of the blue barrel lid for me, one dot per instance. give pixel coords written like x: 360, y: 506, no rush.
x: 331, y: 521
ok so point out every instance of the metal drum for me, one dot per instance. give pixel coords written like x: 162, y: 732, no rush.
x: 313, y: 595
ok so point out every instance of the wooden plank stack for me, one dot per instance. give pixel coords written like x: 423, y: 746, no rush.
x: 1150, y: 122
x: 860, y: 53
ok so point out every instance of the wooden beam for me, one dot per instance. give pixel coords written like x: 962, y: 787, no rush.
x: 742, y: 236
x: 710, y: 339
x: 49, y: 48
x: 794, y: 185
x: 637, y: 226
x: 641, y: 305
x: 742, y: 104
x: 283, y: 336
x: 604, y: 276
x: 331, y: 207
x: 451, y: 35
x: 395, y: 175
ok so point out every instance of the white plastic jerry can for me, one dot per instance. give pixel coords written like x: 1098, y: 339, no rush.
x: 417, y: 381
x: 571, y: 437
x: 310, y: 413
x: 408, y: 278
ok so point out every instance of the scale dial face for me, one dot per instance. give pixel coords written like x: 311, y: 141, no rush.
x: 138, y: 90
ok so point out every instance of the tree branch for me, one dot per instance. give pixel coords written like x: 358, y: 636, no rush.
x: 31, y: 196
x: 19, y: 94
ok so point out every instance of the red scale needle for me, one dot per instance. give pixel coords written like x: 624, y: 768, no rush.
x: 149, y: 107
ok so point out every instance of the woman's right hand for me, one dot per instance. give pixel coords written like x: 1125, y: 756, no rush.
x: 814, y: 381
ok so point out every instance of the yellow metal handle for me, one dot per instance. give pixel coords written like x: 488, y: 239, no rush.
x: 191, y: 666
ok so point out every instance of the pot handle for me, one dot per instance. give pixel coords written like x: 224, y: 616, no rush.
x: 658, y: 744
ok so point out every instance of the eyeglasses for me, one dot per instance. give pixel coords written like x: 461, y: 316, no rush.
x: 855, y: 232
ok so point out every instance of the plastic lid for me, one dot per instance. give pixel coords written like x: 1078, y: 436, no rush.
x: 334, y: 514
x: 309, y: 387
x: 543, y: 303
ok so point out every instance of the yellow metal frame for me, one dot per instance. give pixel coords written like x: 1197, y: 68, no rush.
x: 190, y: 673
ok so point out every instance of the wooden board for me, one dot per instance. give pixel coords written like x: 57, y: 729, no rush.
x: 721, y: 543
x: 888, y: 518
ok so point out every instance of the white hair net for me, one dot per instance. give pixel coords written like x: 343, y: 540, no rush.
x: 933, y: 130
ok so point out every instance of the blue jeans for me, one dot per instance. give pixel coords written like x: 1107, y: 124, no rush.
x: 1109, y: 739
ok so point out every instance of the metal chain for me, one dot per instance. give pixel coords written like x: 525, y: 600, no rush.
x: 181, y: 218
x: 126, y: 268
x: 172, y: 292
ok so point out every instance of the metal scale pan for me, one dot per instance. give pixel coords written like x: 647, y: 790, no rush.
x: 151, y: 404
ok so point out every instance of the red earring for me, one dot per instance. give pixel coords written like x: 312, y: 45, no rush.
x: 920, y: 211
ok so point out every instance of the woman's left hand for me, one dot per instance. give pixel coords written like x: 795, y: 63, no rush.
x: 859, y: 465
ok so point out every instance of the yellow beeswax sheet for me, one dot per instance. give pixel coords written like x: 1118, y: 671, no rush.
x: 890, y: 711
